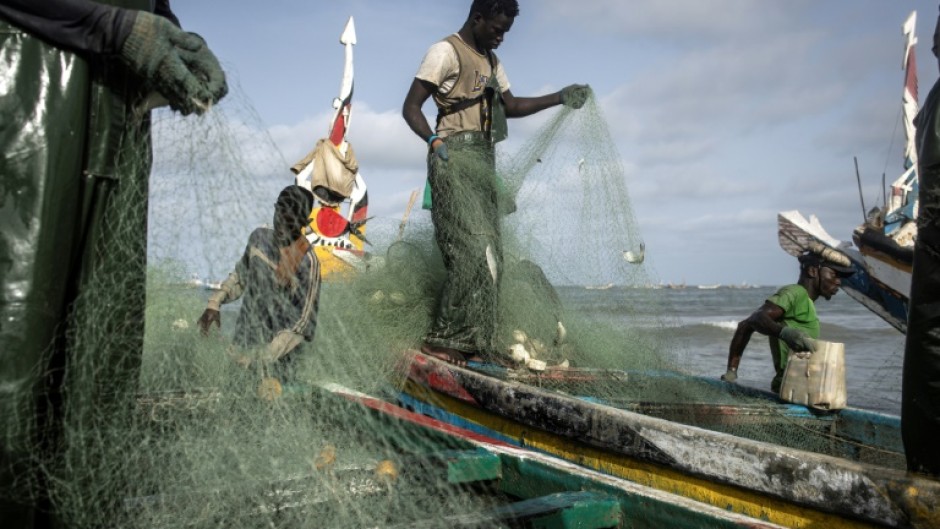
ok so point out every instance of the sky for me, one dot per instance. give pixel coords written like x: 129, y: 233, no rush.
x: 725, y: 112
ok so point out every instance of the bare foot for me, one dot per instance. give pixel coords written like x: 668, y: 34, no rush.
x: 451, y: 356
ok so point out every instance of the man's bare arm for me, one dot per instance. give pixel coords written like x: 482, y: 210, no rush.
x: 765, y: 320
x: 518, y: 107
x: 419, y: 92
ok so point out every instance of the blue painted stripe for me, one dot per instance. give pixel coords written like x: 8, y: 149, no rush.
x: 410, y: 403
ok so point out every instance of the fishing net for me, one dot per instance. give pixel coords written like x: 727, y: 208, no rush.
x: 185, y: 436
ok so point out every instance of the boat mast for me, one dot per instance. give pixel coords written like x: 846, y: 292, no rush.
x: 903, y: 202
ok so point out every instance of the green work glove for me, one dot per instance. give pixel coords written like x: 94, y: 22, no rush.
x: 797, y: 340
x: 575, y: 95
x: 730, y: 376
x: 179, y: 65
x: 439, y: 147
x: 209, y: 317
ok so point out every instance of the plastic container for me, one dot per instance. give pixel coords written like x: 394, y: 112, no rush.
x: 817, y: 381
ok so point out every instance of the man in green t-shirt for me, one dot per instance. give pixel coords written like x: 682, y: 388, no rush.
x: 789, y: 316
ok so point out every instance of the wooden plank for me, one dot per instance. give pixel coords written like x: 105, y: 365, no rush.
x: 584, y: 510
x: 269, y: 496
x: 472, y: 467
x: 530, y: 476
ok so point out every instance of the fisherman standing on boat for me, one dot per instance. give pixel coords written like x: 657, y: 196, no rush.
x: 471, y: 90
x: 789, y: 316
x: 278, y: 281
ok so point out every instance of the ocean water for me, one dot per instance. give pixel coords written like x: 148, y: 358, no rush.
x: 697, y: 325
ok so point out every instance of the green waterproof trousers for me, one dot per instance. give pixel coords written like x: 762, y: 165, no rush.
x: 466, y: 220
x: 73, y: 189
x: 920, y: 398
x: 920, y: 393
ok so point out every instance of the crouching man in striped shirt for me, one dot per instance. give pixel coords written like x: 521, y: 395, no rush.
x: 278, y: 281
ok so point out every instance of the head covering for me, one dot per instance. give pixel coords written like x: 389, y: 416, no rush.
x: 819, y: 254
x: 291, y: 212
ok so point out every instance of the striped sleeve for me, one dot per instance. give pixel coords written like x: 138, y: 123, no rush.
x: 230, y: 290
x: 307, y: 323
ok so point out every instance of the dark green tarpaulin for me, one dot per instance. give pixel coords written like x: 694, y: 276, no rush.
x: 75, y: 160
x: 920, y: 404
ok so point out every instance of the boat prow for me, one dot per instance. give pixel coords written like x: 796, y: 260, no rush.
x: 879, y: 284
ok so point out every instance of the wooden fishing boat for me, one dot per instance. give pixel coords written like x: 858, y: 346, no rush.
x: 883, y: 250
x: 509, y: 486
x: 850, y: 484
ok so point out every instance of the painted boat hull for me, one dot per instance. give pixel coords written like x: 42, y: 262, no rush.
x: 339, y: 264
x: 783, y: 485
x: 518, y: 488
x: 527, y: 475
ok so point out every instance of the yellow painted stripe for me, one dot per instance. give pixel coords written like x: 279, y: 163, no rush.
x: 332, y: 268
x: 731, y: 498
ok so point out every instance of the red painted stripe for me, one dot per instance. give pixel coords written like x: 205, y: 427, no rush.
x: 338, y: 132
x: 421, y: 420
x: 438, y: 377
x: 360, y: 213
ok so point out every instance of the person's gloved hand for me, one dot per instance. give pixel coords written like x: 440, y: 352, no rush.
x: 439, y: 147
x: 209, y: 316
x: 575, y: 95
x: 179, y: 65
x: 797, y: 340
x: 730, y: 376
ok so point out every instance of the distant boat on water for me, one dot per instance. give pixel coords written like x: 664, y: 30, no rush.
x: 599, y: 287
x: 194, y: 281
x: 884, y: 243
x: 710, y: 287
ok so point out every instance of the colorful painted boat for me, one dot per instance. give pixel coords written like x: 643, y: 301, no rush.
x: 338, y: 223
x: 512, y: 487
x: 785, y: 485
x: 883, y: 250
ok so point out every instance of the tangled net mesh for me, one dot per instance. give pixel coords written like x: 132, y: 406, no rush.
x: 182, y: 436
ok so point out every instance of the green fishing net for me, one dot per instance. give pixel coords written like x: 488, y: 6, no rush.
x: 195, y: 440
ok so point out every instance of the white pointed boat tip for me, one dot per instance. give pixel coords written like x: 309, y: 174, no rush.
x: 349, y: 33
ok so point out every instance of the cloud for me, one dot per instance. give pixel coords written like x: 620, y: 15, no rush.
x: 688, y: 20
x: 379, y: 138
